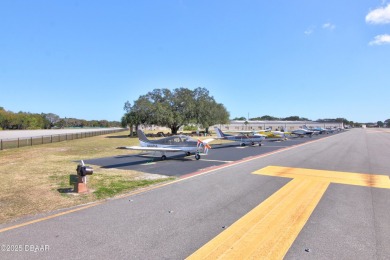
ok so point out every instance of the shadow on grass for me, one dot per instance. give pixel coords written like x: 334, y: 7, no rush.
x: 65, y: 190
x: 73, y: 178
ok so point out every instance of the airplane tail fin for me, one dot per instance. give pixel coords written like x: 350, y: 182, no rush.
x: 141, y: 136
x: 220, y: 134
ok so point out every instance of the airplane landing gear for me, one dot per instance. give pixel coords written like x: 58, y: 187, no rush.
x: 197, y: 156
x: 163, y: 157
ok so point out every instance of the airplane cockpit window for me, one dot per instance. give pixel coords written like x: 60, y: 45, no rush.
x: 187, y: 139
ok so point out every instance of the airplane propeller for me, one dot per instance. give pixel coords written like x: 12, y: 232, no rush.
x: 205, y: 146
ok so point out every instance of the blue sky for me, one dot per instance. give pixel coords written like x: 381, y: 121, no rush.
x: 85, y: 59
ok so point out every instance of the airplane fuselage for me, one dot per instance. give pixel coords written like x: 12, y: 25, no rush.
x: 302, y: 132
x: 246, y: 139
x: 184, y: 146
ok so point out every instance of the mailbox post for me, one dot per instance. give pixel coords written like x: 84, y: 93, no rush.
x: 82, y: 171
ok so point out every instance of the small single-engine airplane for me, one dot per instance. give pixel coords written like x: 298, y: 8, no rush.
x: 243, y: 138
x: 175, y: 143
x: 275, y: 135
x: 317, y: 130
x: 302, y: 132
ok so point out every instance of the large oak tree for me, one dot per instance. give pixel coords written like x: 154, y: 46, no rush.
x: 176, y: 108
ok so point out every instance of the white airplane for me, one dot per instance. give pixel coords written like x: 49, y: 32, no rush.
x: 243, y: 138
x: 175, y: 143
x: 317, y: 130
x: 277, y: 135
x: 302, y: 132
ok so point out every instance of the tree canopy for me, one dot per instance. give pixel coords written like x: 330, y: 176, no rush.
x: 272, y: 118
x: 175, y: 109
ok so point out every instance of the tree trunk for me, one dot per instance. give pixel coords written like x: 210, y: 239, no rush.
x: 131, y: 130
x: 174, y: 129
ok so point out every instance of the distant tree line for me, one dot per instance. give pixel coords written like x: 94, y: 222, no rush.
x: 386, y: 123
x: 26, y: 120
x: 174, y: 109
x: 272, y: 118
x: 341, y: 120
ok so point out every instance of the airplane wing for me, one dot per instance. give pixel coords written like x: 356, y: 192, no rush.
x: 158, y: 149
x: 247, y: 131
x: 239, y: 132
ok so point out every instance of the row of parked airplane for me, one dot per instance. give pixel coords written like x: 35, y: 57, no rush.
x: 175, y: 143
x: 188, y: 145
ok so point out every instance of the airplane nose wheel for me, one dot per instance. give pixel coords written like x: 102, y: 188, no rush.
x: 197, y: 156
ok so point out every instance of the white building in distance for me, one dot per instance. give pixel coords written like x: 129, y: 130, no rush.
x: 240, y: 125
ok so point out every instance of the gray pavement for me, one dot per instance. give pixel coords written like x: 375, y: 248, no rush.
x: 178, y: 165
x: 173, y: 221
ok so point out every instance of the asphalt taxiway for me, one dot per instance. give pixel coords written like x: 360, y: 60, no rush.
x: 177, y: 164
x: 322, y: 198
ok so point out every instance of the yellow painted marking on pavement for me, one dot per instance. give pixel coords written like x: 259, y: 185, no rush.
x: 268, y: 231
x: 263, y: 231
x: 360, y: 179
x: 49, y: 217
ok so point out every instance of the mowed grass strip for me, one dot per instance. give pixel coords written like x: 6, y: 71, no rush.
x: 36, y: 179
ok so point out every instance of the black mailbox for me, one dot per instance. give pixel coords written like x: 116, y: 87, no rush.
x: 83, y: 170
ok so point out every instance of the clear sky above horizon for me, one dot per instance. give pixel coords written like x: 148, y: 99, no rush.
x: 308, y: 58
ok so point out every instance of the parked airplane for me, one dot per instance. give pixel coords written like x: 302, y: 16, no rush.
x: 277, y: 135
x: 243, y: 138
x: 317, y: 130
x: 175, y: 143
x: 302, y: 132
x: 271, y: 135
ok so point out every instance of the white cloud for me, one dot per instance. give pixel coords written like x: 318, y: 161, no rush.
x: 328, y: 26
x: 309, y: 31
x: 380, y: 15
x: 380, y: 40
